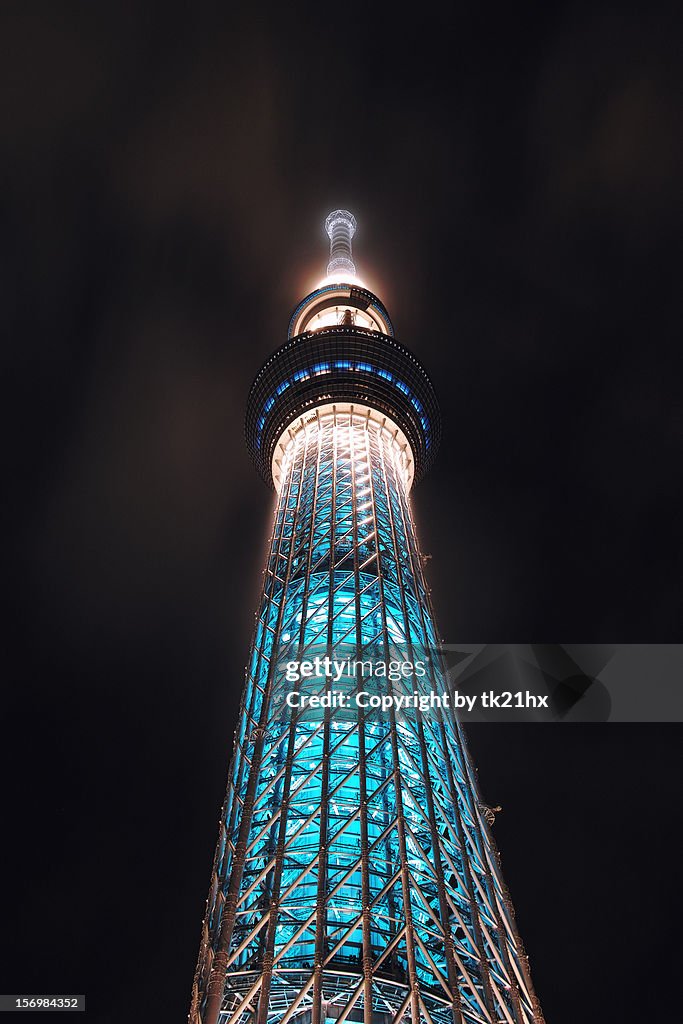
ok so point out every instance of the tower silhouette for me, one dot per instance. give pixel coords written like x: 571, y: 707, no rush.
x: 355, y: 877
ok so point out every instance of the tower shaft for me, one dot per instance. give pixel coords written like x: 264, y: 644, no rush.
x: 355, y: 877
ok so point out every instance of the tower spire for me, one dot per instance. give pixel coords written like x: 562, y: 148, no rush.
x: 341, y: 227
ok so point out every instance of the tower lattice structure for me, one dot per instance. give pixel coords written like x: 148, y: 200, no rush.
x: 355, y: 877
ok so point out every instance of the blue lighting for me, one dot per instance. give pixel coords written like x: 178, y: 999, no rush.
x: 319, y: 369
x: 337, y: 808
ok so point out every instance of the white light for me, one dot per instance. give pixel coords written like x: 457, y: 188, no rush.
x: 332, y: 317
x: 341, y: 278
x: 340, y: 227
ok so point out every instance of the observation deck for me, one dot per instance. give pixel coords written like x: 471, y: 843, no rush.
x: 341, y: 350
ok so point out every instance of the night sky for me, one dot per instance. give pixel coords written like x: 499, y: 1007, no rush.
x: 166, y: 171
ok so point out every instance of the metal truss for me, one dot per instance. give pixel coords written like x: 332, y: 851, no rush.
x: 355, y: 877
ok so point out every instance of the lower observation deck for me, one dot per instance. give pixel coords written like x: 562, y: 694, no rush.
x: 342, y: 364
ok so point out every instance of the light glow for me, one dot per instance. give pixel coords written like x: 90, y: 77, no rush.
x: 340, y: 277
x: 333, y: 317
x: 345, y: 416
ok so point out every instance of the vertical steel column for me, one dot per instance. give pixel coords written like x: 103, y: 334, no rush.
x: 216, y: 986
x: 400, y: 820
x: 417, y: 573
x: 267, y: 973
x: 321, y: 907
x: 426, y: 771
x: 503, y: 928
x: 366, y: 896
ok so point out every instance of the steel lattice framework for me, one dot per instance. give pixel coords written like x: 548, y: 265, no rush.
x: 355, y: 877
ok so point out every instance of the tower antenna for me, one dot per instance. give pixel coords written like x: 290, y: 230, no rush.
x: 341, y: 227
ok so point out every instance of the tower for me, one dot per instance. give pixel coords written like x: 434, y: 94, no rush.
x: 355, y: 877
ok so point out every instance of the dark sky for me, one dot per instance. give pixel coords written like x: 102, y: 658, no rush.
x: 166, y: 170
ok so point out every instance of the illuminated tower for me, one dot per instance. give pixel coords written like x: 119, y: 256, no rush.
x: 355, y: 877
